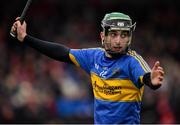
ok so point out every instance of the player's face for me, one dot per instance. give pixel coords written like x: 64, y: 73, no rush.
x: 116, y: 41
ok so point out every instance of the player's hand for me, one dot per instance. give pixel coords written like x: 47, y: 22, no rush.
x: 157, y: 74
x: 19, y: 29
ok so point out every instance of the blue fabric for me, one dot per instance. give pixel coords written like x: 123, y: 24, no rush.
x: 117, y: 112
x: 127, y: 66
x: 130, y: 66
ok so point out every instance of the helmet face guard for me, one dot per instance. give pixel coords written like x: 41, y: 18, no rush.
x: 120, y: 22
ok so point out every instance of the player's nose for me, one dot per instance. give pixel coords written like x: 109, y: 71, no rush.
x: 118, y: 40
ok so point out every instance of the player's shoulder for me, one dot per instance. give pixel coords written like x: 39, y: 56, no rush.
x: 94, y: 49
x: 133, y: 55
x: 88, y: 51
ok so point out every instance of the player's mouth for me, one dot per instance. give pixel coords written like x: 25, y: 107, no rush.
x: 117, y: 48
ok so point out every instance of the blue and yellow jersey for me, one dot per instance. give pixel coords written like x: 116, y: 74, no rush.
x: 117, y: 84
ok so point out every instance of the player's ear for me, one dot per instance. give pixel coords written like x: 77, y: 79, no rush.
x: 102, y: 36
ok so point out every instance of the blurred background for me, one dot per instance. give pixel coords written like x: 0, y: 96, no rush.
x: 37, y: 89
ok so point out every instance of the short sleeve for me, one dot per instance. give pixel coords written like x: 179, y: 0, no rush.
x: 138, y: 67
x: 81, y: 58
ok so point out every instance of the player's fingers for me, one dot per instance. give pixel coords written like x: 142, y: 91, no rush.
x: 160, y: 68
x: 156, y: 65
x: 18, y: 23
x: 17, y: 18
x: 13, y: 29
x: 15, y: 24
x: 160, y: 78
x: 161, y: 72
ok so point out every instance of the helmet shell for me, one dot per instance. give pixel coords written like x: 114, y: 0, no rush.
x: 117, y: 21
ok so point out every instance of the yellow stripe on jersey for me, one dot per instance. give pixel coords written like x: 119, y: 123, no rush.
x: 73, y: 59
x: 140, y: 60
x: 141, y: 79
x: 116, y: 89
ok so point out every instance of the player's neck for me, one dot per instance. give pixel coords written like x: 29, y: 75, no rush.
x: 115, y: 56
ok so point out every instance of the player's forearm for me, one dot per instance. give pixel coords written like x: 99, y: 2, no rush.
x: 147, y: 81
x: 53, y: 50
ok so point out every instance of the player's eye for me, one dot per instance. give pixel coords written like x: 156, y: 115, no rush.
x: 124, y: 34
x: 113, y: 34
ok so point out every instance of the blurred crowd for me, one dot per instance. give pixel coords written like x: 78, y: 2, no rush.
x: 37, y: 89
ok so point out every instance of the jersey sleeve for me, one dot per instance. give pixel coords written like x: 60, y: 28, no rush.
x: 138, y: 67
x: 81, y: 58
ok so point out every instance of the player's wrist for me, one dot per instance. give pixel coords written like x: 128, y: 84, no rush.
x: 22, y: 37
x: 148, y: 81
